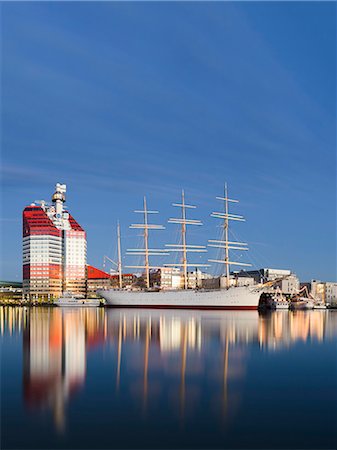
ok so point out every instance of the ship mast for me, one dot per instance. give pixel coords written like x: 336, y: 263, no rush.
x: 183, y: 235
x: 146, y: 251
x: 184, y: 247
x: 225, y: 225
x: 119, y: 255
x: 146, y: 244
x: 225, y: 244
x: 117, y: 264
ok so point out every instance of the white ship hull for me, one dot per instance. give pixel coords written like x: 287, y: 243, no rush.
x: 232, y: 298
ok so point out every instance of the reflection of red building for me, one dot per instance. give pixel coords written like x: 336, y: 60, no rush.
x: 54, y: 344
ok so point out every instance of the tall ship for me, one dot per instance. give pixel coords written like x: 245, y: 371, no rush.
x: 229, y: 297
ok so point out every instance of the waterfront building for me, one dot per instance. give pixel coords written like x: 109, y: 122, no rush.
x: 237, y: 281
x: 54, y: 249
x: 325, y: 291
x: 288, y: 282
x: 262, y: 275
x: 290, y: 285
x: 98, y: 279
x: 127, y: 279
x: 10, y: 290
x: 196, y: 277
x: 331, y: 293
x: 171, y: 278
x: 318, y: 290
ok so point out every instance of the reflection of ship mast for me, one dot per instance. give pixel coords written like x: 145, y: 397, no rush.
x: 146, y: 365
x: 225, y: 376
x: 119, y: 353
x: 183, y: 371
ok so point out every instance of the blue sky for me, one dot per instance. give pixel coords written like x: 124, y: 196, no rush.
x: 119, y: 100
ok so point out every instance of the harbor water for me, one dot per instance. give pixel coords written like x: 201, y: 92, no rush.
x: 95, y: 378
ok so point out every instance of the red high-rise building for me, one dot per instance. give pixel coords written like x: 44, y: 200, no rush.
x: 54, y: 249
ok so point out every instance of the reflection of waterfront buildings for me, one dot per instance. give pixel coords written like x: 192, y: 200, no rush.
x: 166, y: 357
x: 208, y: 346
x: 55, y: 344
x: 283, y: 329
x: 238, y: 327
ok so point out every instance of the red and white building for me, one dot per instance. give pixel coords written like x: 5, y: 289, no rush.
x: 54, y: 249
x: 98, y: 279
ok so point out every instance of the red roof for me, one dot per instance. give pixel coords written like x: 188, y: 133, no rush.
x: 74, y: 225
x: 36, y: 221
x: 94, y: 273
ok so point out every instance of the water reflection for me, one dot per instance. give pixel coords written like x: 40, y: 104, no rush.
x: 55, y: 343
x: 181, y: 359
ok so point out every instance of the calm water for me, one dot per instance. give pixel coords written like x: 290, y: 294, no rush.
x: 99, y: 378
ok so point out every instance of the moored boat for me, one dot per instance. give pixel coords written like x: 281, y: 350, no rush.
x: 67, y: 299
x: 302, y: 303
x: 320, y: 305
x: 303, y: 300
x: 281, y: 304
x: 245, y: 297
x: 279, y: 301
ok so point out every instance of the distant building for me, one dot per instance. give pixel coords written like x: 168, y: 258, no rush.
x: 10, y: 290
x: 195, y: 278
x: 331, y: 293
x: 288, y: 282
x: 237, y: 281
x: 290, y: 285
x: 54, y: 249
x: 172, y: 278
x: 265, y: 274
x: 325, y: 291
x: 211, y: 283
x: 13, y: 286
x: 127, y: 279
x: 318, y: 290
x: 98, y: 279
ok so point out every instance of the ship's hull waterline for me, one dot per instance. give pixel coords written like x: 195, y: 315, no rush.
x: 233, y: 298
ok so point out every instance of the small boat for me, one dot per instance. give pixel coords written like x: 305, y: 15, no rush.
x: 68, y: 299
x: 303, y: 300
x: 320, y: 305
x: 279, y: 301
x: 281, y: 304
x: 302, y: 303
